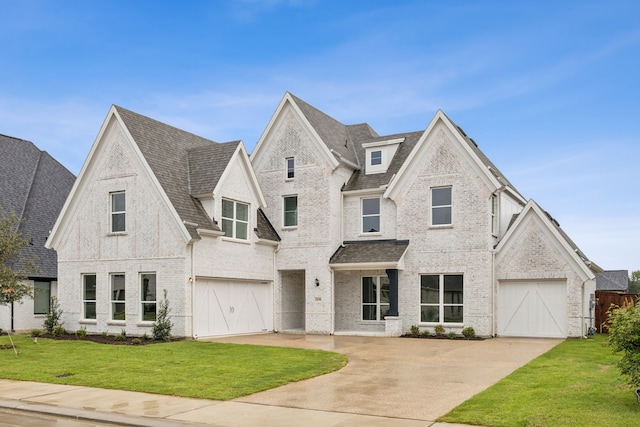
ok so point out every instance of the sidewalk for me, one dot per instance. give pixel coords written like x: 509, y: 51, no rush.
x: 144, y: 409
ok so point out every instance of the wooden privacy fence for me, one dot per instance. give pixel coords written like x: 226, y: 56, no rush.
x: 605, y: 299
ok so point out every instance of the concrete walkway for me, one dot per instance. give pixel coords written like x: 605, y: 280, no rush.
x: 388, y: 381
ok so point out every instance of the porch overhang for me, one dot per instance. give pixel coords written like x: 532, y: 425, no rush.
x: 369, y: 255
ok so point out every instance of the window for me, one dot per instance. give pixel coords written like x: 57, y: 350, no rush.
x: 290, y: 167
x: 89, y: 295
x: 290, y: 211
x: 376, y: 157
x: 117, y: 297
x: 441, y: 298
x: 235, y: 219
x: 371, y: 215
x: 117, y: 212
x: 41, y: 297
x: 148, y: 296
x: 441, y: 206
x: 375, y: 297
x: 494, y: 214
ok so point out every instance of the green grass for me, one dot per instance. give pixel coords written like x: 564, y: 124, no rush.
x: 574, y: 384
x: 181, y: 368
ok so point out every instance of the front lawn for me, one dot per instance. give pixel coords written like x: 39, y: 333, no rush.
x: 181, y: 368
x: 574, y: 384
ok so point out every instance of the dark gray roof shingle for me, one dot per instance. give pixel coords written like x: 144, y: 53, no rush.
x: 34, y: 186
x: 613, y: 280
x: 371, y: 251
x: 264, y: 229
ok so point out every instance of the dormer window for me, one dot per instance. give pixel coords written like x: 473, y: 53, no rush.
x: 290, y: 165
x: 376, y: 158
x: 379, y: 154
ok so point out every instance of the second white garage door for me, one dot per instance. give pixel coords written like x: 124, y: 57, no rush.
x: 229, y: 307
x: 532, y: 309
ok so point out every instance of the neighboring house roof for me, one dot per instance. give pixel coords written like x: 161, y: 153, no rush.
x: 34, y: 186
x: 613, y: 280
x: 371, y: 253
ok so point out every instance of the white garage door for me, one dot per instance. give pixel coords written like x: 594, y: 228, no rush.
x: 226, y: 308
x: 532, y: 309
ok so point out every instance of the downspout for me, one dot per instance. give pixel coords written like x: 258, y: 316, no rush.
x: 192, y: 279
x: 333, y: 303
x: 582, y: 317
x: 276, y: 277
x: 493, y: 292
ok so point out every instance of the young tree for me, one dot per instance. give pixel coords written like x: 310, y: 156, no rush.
x: 634, y: 282
x: 624, y: 336
x: 14, y: 266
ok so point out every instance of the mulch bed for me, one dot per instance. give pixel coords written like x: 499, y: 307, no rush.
x: 442, y: 337
x: 108, y: 339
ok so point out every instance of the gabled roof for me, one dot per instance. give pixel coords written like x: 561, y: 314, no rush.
x: 264, y: 229
x: 207, y: 164
x: 166, y: 150
x: 588, y: 268
x: 34, y: 186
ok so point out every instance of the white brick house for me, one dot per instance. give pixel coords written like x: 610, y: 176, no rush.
x: 409, y: 229
x: 327, y: 229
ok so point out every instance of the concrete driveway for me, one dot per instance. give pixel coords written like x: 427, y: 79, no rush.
x: 409, y: 378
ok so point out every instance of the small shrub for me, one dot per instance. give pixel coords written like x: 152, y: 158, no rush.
x: 469, y: 332
x: 425, y: 333
x: 58, y: 331
x: 452, y: 335
x: 34, y: 333
x: 104, y: 334
x: 136, y: 341
x: 81, y: 333
x: 122, y: 336
x: 145, y: 336
x: 162, y: 326
x: 53, y: 316
x: 438, y: 330
x: 415, y: 330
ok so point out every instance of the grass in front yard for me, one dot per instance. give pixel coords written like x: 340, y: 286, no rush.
x: 574, y: 384
x: 181, y: 368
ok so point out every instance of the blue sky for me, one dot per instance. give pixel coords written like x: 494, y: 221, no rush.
x: 549, y: 90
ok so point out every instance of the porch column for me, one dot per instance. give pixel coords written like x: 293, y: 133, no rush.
x: 392, y: 274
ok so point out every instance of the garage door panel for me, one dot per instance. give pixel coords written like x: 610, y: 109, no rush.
x: 225, y: 308
x: 532, y: 309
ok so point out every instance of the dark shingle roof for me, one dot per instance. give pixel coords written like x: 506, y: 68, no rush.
x: 613, y: 280
x: 166, y: 150
x: 371, y: 251
x: 207, y: 164
x: 264, y: 229
x: 34, y: 186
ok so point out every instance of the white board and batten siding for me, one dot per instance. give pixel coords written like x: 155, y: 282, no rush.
x: 230, y: 307
x: 532, y: 309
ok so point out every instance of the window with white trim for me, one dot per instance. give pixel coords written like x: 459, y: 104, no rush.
x: 375, y: 297
x: 371, y: 215
x: 376, y: 157
x: 441, y: 206
x: 41, y: 297
x: 290, y: 211
x: 494, y: 215
x: 291, y: 167
x: 118, y: 212
x: 148, y: 296
x: 118, y: 305
x: 441, y: 298
x: 89, y: 288
x: 235, y: 219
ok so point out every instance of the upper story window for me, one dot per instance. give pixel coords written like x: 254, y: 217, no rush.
x: 376, y: 157
x: 494, y: 215
x: 291, y: 167
x: 290, y: 209
x: 371, y: 215
x: 441, y: 298
x: 89, y: 296
x: 235, y: 219
x: 118, y: 212
x: 441, y: 206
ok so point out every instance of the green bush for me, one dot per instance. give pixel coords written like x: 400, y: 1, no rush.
x: 58, y: 331
x: 81, y: 333
x: 162, y: 326
x: 415, y: 330
x: 145, y: 336
x: 452, y: 335
x: 438, y: 330
x: 425, y: 333
x: 122, y: 336
x: 136, y: 341
x: 34, y: 333
x: 469, y: 332
x: 624, y: 336
x: 53, y: 316
x: 104, y: 334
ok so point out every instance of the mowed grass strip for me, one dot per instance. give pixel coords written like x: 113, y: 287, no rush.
x: 180, y: 368
x: 574, y: 384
